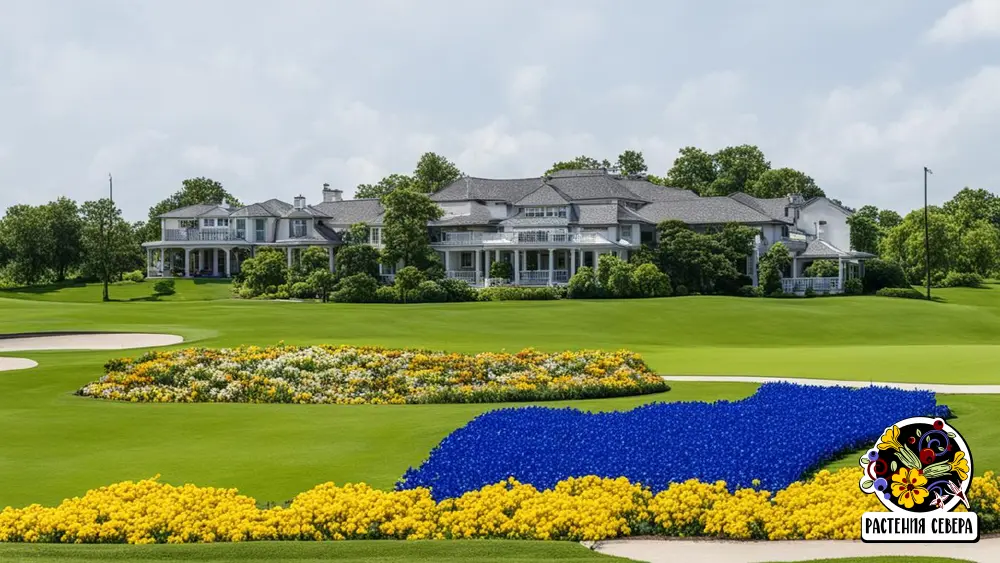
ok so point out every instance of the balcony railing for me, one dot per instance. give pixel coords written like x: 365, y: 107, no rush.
x: 541, y: 277
x: 468, y: 276
x: 819, y: 285
x: 199, y: 235
x: 527, y: 237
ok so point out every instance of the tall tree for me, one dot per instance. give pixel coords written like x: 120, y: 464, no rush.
x: 737, y: 168
x: 108, y: 242
x: 194, y: 191
x: 404, y: 229
x: 27, y: 238
x: 693, y: 170
x: 971, y: 206
x: 579, y: 163
x: 865, y: 234
x: 779, y: 182
x: 434, y: 172
x: 65, y: 228
x: 904, y: 243
x: 383, y: 187
x: 980, y: 246
x: 631, y: 162
x: 887, y: 219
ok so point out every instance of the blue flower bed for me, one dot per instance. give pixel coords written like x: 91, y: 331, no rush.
x: 774, y: 436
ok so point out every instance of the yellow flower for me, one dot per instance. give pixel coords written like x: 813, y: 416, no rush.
x: 960, y: 465
x: 908, y: 485
x: 890, y: 439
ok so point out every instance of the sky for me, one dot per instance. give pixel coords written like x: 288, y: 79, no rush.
x: 273, y: 99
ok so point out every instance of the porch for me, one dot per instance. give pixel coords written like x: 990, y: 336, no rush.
x: 188, y: 262
x: 535, y: 267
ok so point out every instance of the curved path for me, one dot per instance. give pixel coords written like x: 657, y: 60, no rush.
x: 935, y: 387
x: 83, y: 341
x: 987, y: 550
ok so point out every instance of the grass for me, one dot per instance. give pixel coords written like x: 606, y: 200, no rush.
x: 57, y: 445
x: 198, y: 289
x: 343, y: 552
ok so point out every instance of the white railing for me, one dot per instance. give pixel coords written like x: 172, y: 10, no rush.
x: 458, y: 239
x: 819, y: 285
x: 541, y: 277
x: 525, y: 237
x: 468, y: 276
x: 199, y: 235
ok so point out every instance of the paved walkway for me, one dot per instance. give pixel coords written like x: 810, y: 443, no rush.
x: 698, y: 551
x: 8, y: 364
x: 935, y: 387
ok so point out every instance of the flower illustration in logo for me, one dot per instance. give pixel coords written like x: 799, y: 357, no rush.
x: 918, y: 465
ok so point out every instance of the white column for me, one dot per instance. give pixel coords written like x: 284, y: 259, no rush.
x: 840, y: 273
x: 517, y: 267
x: 447, y: 265
x: 330, y: 250
x: 551, y: 266
x: 795, y: 267
x: 478, y: 266
x: 215, y: 261
x: 572, y: 262
x: 288, y: 252
x: 149, y: 260
x: 496, y: 255
x: 161, y: 261
x: 187, y: 262
x: 229, y: 262
x: 596, y: 255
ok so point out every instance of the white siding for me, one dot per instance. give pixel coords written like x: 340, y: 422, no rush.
x: 836, y: 231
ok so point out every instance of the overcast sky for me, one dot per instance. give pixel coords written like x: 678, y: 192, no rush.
x: 276, y: 98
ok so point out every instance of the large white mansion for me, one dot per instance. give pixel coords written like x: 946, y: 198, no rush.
x: 544, y: 227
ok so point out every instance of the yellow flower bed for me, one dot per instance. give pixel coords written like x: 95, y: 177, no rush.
x: 828, y: 506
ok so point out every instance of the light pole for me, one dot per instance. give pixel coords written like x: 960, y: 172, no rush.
x: 927, y: 239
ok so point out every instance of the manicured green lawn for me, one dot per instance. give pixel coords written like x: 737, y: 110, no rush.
x: 57, y: 445
x: 187, y: 290
x: 343, y: 552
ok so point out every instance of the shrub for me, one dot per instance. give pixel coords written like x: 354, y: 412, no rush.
x: 619, y: 282
x: 302, y: 290
x: 265, y: 270
x: 501, y: 270
x: 681, y: 290
x: 772, y: 265
x: 853, y: 286
x: 357, y: 259
x: 748, y: 291
x: 583, y: 284
x: 359, y: 288
x: 164, y: 286
x: 408, y: 278
x: 883, y: 273
x: 135, y: 276
x: 386, y: 294
x: 904, y: 292
x: 322, y: 282
x: 457, y: 290
x: 649, y: 281
x: 427, y: 292
x: 962, y: 279
x: 517, y: 293
x: 810, y: 292
x: 822, y: 269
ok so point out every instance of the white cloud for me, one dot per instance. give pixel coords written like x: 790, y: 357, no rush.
x: 213, y: 158
x: 526, y: 87
x: 972, y: 19
x: 122, y: 154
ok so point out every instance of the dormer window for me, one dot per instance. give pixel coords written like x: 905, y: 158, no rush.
x: 545, y: 212
x: 298, y: 228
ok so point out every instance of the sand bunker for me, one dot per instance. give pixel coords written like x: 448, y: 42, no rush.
x: 9, y: 364
x: 86, y: 341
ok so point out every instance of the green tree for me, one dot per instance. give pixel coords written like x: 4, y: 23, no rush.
x: 980, y: 246
x: 263, y: 273
x: 773, y: 264
x: 383, y: 187
x: 887, y: 219
x: 358, y: 233
x: 579, y: 163
x: 693, y: 170
x: 404, y: 230
x: 970, y: 206
x: 583, y: 284
x: 108, y: 242
x: 737, y: 168
x: 631, y: 162
x: 322, y: 283
x: 904, y: 243
x: 406, y: 282
x: 27, y: 239
x: 822, y: 269
x: 194, y: 191
x: 65, y: 229
x: 649, y: 281
x: 434, y: 172
x: 865, y: 234
x: 695, y: 260
x: 357, y: 259
x: 780, y: 182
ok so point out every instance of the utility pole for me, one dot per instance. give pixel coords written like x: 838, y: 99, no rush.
x: 927, y: 239
x: 111, y: 189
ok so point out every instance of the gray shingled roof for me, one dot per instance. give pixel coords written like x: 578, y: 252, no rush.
x: 351, y: 211
x: 520, y: 220
x: 599, y: 214
x: 297, y: 214
x: 653, y: 192
x: 703, y: 211
x: 543, y: 195
x: 822, y: 249
x: 253, y: 210
x: 592, y: 186
x: 275, y: 206
x: 190, y: 211
x: 479, y: 215
x: 772, y: 207
x: 487, y: 189
x: 626, y: 214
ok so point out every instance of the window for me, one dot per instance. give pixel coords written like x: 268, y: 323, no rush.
x: 375, y: 236
x: 786, y: 212
x: 534, y: 212
x: 259, y: 225
x: 298, y: 228
x: 784, y: 231
x: 222, y: 222
x: 241, y: 228
x: 208, y: 222
x: 561, y: 212
x: 466, y: 261
x: 188, y: 223
x: 626, y: 232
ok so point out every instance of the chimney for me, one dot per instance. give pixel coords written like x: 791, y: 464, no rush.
x: 300, y: 202
x: 332, y: 195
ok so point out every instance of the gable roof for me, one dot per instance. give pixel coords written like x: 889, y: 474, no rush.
x: 626, y: 214
x: 772, y: 207
x: 193, y: 211
x: 654, y: 192
x: 543, y: 195
x: 703, y: 211
x: 351, y: 211
x: 486, y: 189
x: 252, y: 210
x: 592, y: 186
x: 822, y: 249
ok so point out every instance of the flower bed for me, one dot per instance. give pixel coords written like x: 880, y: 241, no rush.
x: 828, y: 506
x: 356, y: 375
x: 771, y: 438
